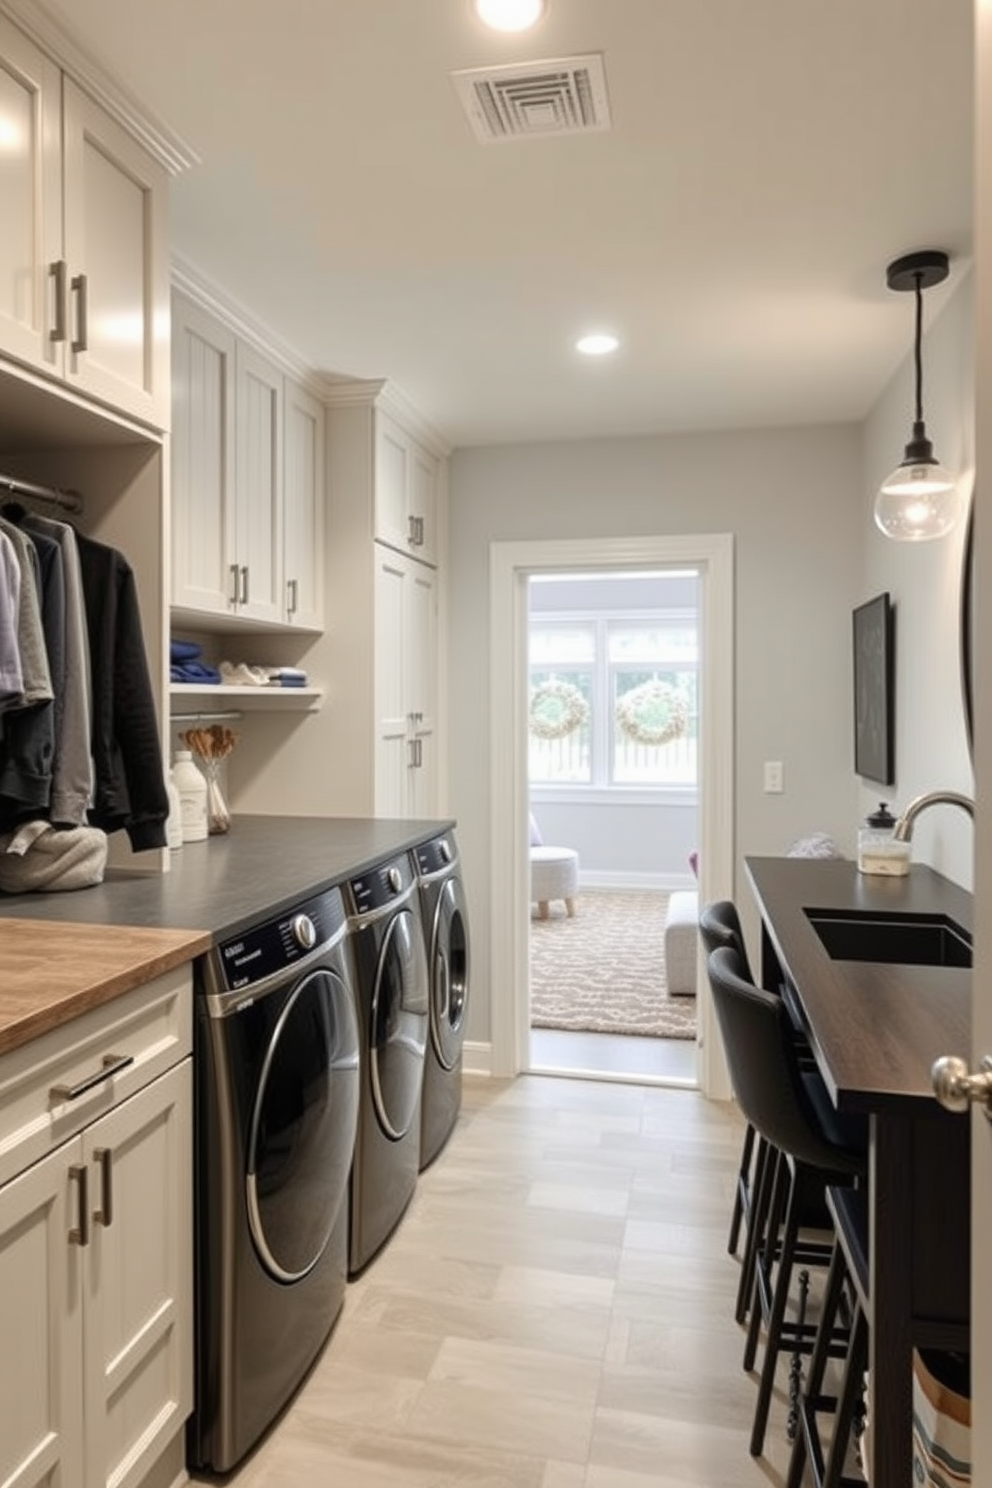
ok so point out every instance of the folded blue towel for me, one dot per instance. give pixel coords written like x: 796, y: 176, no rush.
x: 180, y: 651
x: 194, y: 671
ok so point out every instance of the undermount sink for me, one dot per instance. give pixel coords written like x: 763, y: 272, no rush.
x: 908, y: 940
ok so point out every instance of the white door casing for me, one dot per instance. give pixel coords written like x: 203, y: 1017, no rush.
x: 511, y: 563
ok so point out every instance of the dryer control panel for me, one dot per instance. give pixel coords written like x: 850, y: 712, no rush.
x: 266, y: 949
x: 382, y: 885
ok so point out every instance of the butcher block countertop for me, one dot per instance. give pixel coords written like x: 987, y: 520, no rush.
x: 52, y: 974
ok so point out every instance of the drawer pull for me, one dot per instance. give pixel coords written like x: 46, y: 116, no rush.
x: 57, y: 271
x: 79, y: 1172
x: 105, y: 1157
x: 112, y: 1065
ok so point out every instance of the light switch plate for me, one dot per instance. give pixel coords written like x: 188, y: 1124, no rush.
x: 773, y: 778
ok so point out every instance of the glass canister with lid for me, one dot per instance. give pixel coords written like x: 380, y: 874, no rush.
x: 878, y: 849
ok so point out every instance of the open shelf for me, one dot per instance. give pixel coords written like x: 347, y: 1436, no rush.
x: 190, y: 697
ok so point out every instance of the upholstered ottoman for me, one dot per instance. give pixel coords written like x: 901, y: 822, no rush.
x: 554, y: 874
x: 681, y: 930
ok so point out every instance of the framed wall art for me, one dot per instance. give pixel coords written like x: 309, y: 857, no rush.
x: 874, y: 690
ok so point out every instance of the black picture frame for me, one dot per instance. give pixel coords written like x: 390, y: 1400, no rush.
x: 874, y: 690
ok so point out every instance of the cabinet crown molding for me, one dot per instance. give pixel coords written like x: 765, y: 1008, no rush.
x: 161, y: 142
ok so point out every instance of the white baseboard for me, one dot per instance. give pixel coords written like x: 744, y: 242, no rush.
x: 477, y: 1058
x: 597, y: 879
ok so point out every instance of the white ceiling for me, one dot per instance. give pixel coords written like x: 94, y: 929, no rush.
x: 767, y: 158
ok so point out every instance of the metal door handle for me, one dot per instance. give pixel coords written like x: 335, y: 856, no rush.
x: 232, y: 598
x: 293, y: 596
x: 956, y: 1088
x: 79, y: 1173
x: 411, y: 529
x: 105, y: 1157
x: 57, y: 272
x: 243, y: 596
x: 112, y: 1065
x: 79, y: 289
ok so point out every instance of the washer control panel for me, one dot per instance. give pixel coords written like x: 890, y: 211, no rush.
x: 268, y: 948
x: 382, y: 884
x: 434, y: 856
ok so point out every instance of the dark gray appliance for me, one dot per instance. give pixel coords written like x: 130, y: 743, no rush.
x: 444, y: 913
x: 276, y: 1109
x: 391, y: 993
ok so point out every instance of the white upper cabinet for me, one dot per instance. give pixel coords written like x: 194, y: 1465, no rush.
x: 406, y: 478
x: 256, y: 569
x: 248, y: 481
x: 84, y: 290
x: 406, y: 661
x: 203, y: 542
x: 304, y: 500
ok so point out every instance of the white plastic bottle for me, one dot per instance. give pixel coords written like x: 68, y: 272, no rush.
x: 174, y: 823
x: 192, y: 787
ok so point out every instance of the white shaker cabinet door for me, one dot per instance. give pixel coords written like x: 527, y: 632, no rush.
x: 137, y: 1361
x: 41, y: 1310
x: 259, y: 485
x: 116, y: 250
x: 204, y: 576
x: 303, y: 508
x: 30, y: 197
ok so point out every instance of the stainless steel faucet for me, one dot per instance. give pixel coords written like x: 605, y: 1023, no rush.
x: 903, y: 829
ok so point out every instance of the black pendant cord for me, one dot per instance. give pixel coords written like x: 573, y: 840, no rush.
x: 918, y: 349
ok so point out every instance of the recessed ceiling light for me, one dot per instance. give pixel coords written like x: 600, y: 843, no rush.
x: 597, y: 345
x: 510, y: 15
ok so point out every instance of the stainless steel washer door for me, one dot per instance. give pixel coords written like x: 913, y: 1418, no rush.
x: 398, y: 1040
x: 302, y: 1132
x: 449, y: 974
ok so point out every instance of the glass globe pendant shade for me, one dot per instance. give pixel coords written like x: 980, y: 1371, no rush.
x: 509, y: 15
x: 919, y: 500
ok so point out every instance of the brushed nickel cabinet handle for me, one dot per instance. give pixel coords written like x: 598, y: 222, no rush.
x: 105, y: 1158
x: 243, y: 596
x: 79, y: 289
x: 80, y: 1235
x: 292, y: 603
x: 57, y: 271
x: 411, y: 531
x: 232, y: 597
x: 112, y: 1065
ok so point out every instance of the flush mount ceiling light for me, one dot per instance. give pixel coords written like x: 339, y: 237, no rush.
x: 919, y: 500
x: 509, y: 15
x: 599, y: 344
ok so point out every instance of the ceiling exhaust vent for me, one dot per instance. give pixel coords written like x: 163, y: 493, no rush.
x: 565, y: 95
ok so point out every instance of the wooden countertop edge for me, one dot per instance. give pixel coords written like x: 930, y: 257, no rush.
x: 158, y: 951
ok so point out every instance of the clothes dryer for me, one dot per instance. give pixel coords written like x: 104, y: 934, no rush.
x: 276, y: 1110
x: 444, y: 914
x: 390, y: 981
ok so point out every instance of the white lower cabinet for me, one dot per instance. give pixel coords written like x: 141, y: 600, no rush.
x: 96, y: 1256
x: 405, y: 685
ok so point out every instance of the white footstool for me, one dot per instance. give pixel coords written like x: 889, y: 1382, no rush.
x: 681, y: 930
x: 554, y: 874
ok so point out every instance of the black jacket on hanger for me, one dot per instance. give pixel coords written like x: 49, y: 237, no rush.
x: 129, y: 777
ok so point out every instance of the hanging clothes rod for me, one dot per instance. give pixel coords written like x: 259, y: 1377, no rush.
x: 204, y: 717
x: 70, y: 501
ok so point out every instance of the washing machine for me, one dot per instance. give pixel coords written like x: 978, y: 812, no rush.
x: 444, y: 914
x: 277, y: 1088
x: 390, y: 979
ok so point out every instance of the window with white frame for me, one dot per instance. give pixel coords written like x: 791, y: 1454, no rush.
x: 613, y: 699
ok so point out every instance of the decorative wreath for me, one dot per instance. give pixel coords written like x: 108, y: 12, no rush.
x: 653, y: 713
x: 557, y: 709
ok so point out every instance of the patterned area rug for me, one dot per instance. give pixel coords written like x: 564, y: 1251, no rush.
x: 604, y: 970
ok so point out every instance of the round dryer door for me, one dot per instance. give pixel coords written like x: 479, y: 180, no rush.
x: 449, y: 975
x: 399, y: 1025
x: 302, y: 1131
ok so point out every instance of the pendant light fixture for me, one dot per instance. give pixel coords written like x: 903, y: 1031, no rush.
x: 919, y: 500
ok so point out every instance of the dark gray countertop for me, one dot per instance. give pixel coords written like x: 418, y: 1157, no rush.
x: 875, y: 1027
x: 262, y: 866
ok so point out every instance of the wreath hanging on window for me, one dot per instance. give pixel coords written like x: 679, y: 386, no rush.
x: 557, y: 709
x: 653, y: 713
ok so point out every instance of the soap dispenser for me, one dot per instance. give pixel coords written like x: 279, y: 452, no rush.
x: 878, y: 849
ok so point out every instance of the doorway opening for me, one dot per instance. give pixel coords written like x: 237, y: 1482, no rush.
x: 613, y: 729
x: 511, y: 566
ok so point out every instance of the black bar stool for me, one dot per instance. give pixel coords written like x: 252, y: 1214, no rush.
x: 815, y: 1150
x: 848, y: 1275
